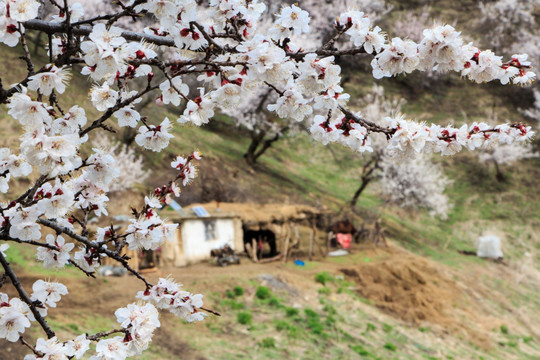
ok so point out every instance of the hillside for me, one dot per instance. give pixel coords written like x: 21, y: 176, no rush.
x: 417, y: 299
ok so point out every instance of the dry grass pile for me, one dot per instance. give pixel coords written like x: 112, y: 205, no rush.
x: 407, y: 287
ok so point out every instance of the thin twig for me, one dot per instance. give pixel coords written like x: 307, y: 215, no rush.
x: 28, y: 345
x: 27, y: 58
x: 89, y: 274
x: 103, y: 334
x: 99, y: 122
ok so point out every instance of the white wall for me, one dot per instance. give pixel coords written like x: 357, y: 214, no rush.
x: 199, y: 239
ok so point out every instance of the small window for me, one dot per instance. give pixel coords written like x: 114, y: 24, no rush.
x: 210, y: 233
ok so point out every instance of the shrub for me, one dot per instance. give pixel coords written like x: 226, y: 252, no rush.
x: 282, y: 325
x: 360, y: 350
x: 263, y: 293
x: 292, y: 330
x: 268, y: 343
x: 325, y: 291
x: 330, y: 309
x: 330, y: 320
x: 238, y: 290
x: 527, y: 339
x: 310, y: 314
x: 504, y: 329
x: 290, y: 311
x: 370, y: 327
x: 273, y: 301
x: 313, y: 322
x: 323, y: 277
x: 386, y: 328
x: 315, y: 327
x: 244, y: 318
x: 233, y: 305
x: 390, y: 346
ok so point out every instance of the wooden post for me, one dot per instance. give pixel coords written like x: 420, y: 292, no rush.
x: 254, y: 250
x: 286, y: 250
x: 296, y: 244
x: 328, y: 238
x: 311, y: 236
x: 259, y: 243
x: 282, y: 237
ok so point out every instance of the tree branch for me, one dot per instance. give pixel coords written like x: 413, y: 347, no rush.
x: 24, y: 296
x: 83, y: 239
x: 28, y: 242
x: 56, y: 28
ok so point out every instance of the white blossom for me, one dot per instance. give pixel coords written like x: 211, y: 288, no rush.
x: 51, y: 348
x: 23, y: 222
x: 55, y: 258
x: 48, y: 293
x: 71, y: 122
x: 103, y: 97
x: 168, y: 295
x: 127, y: 116
x: 198, y: 111
x: 53, y: 79
x: 294, y: 18
x: 397, y: 57
x: 154, y: 138
x: 29, y: 113
x: 130, y: 167
x: 141, y: 321
x: 78, y: 346
x: 111, y: 349
x: 55, y: 201
x: 8, y: 31
x: 171, y: 91
x: 23, y: 10
x: 3, y: 249
x: 88, y: 260
x: 13, y: 318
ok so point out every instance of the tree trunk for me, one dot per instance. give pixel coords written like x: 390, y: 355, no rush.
x: 500, y: 176
x: 256, y: 139
x: 259, y: 145
x: 363, y: 185
x: 367, y: 176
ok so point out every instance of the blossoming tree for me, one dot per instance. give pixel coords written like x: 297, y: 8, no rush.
x: 506, y: 154
x: 415, y: 182
x: 222, y: 46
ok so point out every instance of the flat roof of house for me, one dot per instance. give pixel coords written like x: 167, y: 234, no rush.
x: 248, y: 212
